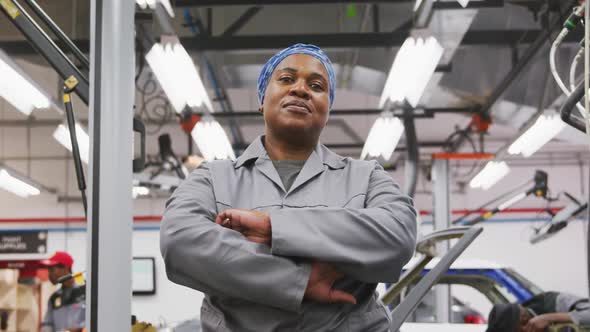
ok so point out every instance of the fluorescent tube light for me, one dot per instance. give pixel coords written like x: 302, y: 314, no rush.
x: 545, y: 128
x: 16, y: 186
x: 151, y: 4
x: 417, y: 4
x: 383, y: 137
x: 62, y: 135
x: 19, y: 89
x: 411, y: 71
x: 178, y: 76
x: 140, y: 191
x: 212, y: 140
x: 463, y: 3
x: 490, y: 175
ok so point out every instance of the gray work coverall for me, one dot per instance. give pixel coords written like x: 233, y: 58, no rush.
x: 341, y: 211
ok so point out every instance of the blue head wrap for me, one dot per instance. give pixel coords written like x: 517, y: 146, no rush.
x: 272, y: 63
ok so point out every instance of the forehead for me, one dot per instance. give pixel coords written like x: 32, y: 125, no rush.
x: 304, y: 63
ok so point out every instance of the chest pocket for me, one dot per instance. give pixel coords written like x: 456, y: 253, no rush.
x: 241, y: 188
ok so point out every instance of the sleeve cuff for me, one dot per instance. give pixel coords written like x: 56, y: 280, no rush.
x: 301, y: 286
x: 280, y: 230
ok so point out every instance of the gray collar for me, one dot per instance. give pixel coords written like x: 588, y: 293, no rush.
x: 321, y: 154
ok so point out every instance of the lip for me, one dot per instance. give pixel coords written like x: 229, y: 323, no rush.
x: 297, y: 106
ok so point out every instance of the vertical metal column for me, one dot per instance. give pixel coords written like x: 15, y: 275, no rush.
x: 112, y: 70
x: 442, y: 220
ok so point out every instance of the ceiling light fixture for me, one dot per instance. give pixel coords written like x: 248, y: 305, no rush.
x: 383, y: 137
x: 178, y: 76
x: 490, y: 175
x: 463, y: 3
x: 16, y: 185
x: 62, y: 135
x: 411, y: 71
x: 19, y: 89
x: 139, y: 191
x: 542, y: 131
x: 212, y: 140
x: 151, y: 4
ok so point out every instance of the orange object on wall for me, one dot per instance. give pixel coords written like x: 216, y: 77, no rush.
x: 480, y: 124
x: 188, y: 123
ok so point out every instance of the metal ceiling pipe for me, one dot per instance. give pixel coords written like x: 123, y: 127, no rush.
x: 567, y: 109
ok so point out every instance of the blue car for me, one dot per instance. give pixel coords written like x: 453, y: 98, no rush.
x: 476, y: 286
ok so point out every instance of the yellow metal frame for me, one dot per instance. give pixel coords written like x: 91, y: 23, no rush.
x: 10, y: 8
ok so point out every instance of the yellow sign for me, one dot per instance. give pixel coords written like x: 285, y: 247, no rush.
x: 10, y: 8
x: 71, y: 82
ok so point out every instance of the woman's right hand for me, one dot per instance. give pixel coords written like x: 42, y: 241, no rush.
x: 320, y: 285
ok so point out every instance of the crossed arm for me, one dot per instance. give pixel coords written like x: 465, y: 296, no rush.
x: 369, y: 244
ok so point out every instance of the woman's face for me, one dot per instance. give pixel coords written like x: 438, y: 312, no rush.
x: 297, y: 98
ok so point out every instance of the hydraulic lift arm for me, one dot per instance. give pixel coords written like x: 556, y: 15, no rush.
x: 76, y: 80
x: 46, y: 46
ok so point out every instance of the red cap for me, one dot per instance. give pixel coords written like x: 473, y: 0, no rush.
x: 59, y: 258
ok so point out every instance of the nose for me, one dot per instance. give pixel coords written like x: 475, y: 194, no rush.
x: 300, y: 89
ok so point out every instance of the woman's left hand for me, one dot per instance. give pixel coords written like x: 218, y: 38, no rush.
x: 254, y: 225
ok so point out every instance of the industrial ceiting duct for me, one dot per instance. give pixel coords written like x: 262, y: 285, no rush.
x: 567, y: 109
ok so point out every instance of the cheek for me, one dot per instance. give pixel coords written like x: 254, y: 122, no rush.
x: 323, y: 106
x: 272, y: 94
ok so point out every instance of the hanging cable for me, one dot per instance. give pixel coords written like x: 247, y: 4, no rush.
x: 569, y: 25
x: 574, y: 67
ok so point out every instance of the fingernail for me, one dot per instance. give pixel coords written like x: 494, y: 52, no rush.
x: 226, y: 221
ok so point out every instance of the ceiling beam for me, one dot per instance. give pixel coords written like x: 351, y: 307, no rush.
x: 217, y: 3
x: 330, y: 40
x: 438, y: 5
x: 241, y: 21
x: 347, y: 40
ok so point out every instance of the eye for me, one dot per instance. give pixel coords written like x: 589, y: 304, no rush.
x: 317, y: 86
x: 286, y: 79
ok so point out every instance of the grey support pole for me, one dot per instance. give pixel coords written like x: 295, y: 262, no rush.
x: 110, y: 221
x: 442, y: 220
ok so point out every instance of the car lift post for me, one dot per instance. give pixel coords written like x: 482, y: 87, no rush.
x: 442, y: 220
x: 441, y: 179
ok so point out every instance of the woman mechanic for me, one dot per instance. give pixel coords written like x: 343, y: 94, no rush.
x: 290, y: 236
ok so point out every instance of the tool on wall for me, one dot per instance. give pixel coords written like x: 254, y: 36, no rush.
x: 539, y: 189
x: 559, y: 220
